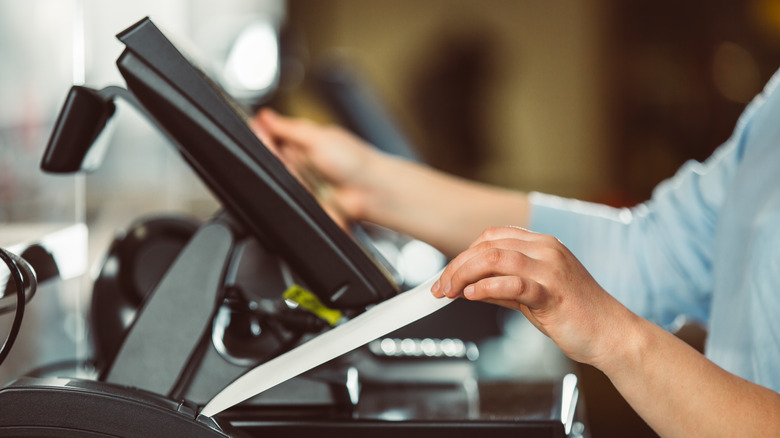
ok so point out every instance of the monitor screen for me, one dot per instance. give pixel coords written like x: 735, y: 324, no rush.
x: 210, y: 132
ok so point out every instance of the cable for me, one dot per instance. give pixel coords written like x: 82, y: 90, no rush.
x: 16, y: 266
x: 29, y: 283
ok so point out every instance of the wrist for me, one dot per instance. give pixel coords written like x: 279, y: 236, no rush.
x: 624, y: 347
x: 372, y: 191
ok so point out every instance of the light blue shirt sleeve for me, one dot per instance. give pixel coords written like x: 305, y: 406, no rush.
x: 704, y: 246
x: 656, y: 258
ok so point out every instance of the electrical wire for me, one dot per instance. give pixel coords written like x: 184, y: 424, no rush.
x: 16, y: 266
x: 29, y: 284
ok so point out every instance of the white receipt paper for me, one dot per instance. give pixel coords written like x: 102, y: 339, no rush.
x: 379, y: 320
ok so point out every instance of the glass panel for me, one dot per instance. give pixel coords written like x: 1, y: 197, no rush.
x: 41, y: 216
x: 45, y: 47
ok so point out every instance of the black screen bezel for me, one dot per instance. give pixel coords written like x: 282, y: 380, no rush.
x: 239, y: 169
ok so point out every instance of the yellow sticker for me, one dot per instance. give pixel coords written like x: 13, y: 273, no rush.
x: 310, y: 302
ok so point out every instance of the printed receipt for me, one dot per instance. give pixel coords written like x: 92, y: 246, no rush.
x: 380, y: 320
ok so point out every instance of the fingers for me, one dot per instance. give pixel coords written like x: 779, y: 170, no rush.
x: 329, y: 161
x: 510, y: 232
x: 507, y: 289
x: 277, y: 133
x: 488, y: 257
x: 284, y: 128
x: 265, y: 137
x: 477, y: 264
x: 504, y: 263
x: 538, y: 276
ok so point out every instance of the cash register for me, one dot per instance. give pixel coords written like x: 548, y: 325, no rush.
x: 231, y: 293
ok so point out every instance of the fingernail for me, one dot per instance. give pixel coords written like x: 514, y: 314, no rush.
x: 468, y: 292
x: 435, y: 287
x: 447, y: 288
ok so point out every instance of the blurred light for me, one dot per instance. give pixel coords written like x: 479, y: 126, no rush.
x: 472, y: 351
x: 140, y: 232
x: 449, y: 348
x: 79, y: 58
x: 74, y: 238
x: 353, y: 385
x: 388, y: 347
x: 111, y: 266
x: 127, y: 316
x: 419, y: 261
x: 765, y: 15
x: 428, y: 347
x: 735, y: 72
x: 253, y: 62
x: 396, y: 414
x: 409, y: 347
x: 255, y: 328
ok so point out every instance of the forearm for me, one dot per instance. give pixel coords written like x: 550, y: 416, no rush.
x: 680, y: 393
x: 442, y: 210
x: 357, y: 182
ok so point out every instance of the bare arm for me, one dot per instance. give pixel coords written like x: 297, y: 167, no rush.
x: 679, y: 392
x: 443, y: 210
x: 366, y: 184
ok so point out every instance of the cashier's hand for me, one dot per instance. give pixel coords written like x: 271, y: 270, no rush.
x: 328, y: 160
x: 537, y: 275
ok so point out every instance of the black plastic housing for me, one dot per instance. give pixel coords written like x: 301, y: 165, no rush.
x: 82, y: 118
x: 55, y: 407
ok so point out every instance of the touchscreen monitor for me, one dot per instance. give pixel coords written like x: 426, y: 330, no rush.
x: 210, y: 131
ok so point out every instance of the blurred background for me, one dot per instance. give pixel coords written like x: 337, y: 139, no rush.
x: 598, y: 100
